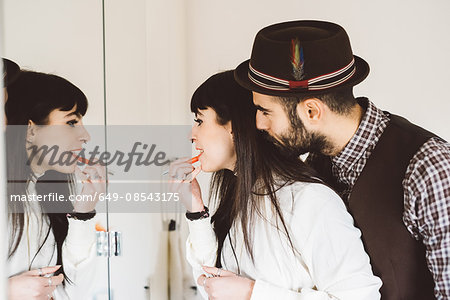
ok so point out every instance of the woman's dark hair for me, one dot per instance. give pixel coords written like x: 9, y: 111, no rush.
x: 33, y: 96
x: 260, y: 167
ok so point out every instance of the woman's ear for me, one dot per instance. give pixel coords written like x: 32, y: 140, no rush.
x: 31, y: 131
x: 229, y: 127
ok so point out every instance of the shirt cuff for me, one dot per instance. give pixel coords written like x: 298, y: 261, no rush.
x: 79, y: 241
x: 201, y: 232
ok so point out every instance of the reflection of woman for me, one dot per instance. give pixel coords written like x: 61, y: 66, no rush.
x: 42, y: 234
x: 285, y: 235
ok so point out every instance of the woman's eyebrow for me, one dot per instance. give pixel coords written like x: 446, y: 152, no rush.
x: 71, y: 114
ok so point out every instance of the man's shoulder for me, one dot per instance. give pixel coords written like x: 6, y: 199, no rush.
x: 435, y: 144
x: 435, y: 151
x: 429, y: 169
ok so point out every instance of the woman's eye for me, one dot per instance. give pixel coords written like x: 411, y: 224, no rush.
x: 198, y: 121
x: 265, y: 113
x: 72, y: 123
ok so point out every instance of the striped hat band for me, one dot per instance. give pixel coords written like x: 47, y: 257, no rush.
x: 318, y: 83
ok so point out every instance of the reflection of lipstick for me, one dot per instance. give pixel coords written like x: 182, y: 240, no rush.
x: 88, y: 162
x: 82, y: 159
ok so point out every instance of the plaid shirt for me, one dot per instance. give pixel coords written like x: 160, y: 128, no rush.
x: 426, y: 188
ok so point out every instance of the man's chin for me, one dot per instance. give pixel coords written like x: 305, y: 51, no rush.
x: 284, y: 147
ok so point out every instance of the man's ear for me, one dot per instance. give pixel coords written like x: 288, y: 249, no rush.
x: 310, y: 110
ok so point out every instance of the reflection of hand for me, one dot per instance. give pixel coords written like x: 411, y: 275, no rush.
x: 93, y: 179
x: 32, y: 285
x: 225, y: 284
x: 182, y: 181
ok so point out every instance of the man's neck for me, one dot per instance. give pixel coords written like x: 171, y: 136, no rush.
x: 342, y: 128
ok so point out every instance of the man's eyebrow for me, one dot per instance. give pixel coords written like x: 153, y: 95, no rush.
x: 258, y: 107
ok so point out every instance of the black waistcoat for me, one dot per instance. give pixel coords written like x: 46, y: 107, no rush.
x: 377, y: 204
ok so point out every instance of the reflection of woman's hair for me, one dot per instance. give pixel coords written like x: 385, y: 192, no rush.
x: 33, y: 97
x: 259, y: 167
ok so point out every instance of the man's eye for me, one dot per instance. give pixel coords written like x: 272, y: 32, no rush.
x: 72, y: 123
x: 265, y: 113
x: 198, y: 121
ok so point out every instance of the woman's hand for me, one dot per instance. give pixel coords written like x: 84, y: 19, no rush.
x: 94, y: 184
x: 33, y: 285
x: 182, y: 181
x: 225, y: 285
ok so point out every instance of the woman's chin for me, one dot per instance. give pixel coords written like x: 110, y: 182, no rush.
x: 208, y: 168
x: 65, y: 169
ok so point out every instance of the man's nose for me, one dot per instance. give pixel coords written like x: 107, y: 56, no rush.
x: 261, y: 121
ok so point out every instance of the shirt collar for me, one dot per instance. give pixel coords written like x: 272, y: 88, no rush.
x: 369, y: 131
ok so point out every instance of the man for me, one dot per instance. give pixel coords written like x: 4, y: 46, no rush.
x: 393, y: 176
x: 10, y: 73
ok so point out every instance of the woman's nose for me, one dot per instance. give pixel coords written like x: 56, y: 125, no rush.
x: 193, y: 134
x: 84, y: 135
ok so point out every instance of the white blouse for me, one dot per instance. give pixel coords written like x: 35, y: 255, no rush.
x: 78, y: 251
x: 330, y: 261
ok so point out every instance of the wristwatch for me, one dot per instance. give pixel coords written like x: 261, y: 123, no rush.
x: 198, y: 215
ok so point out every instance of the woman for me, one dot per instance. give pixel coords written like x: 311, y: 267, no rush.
x: 48, y: 111
x: 276, y: 226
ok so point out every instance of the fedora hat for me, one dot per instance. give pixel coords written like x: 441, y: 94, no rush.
x: 301, y: 58
x: 10, y: 71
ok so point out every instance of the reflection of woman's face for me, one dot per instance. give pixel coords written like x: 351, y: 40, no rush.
x: 65, y: 130
x: 215, y: 140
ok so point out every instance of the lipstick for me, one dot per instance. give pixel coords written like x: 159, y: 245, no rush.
x: 191, y: 161
x: 195, y: 159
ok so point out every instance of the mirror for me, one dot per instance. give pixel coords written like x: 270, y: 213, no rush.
x: 65, y: 39
x: 138, y: 64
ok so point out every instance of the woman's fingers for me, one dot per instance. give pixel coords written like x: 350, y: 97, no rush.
x: 182, y: 172
x: 194, y: 173
x: 56, y: 280
x: 218, y: 272
x: 185, y: 172
x: 94, y: 174
x: 48, y: 291
x: 51, y: 281
x: 182, y: 181
x: 96, y: 169
x: 79, y: 174
x: 42, y: 271
x: 202, y: 280
x: 177, y: 165
x: 91, y: 174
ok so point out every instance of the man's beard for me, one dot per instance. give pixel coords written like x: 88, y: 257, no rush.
x: 297, y: 141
